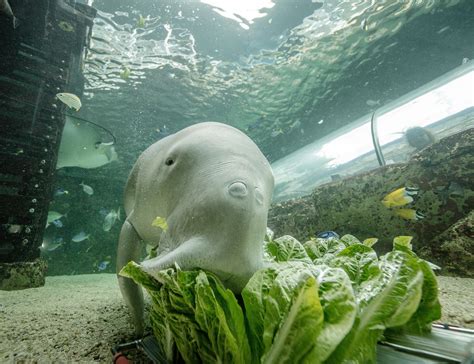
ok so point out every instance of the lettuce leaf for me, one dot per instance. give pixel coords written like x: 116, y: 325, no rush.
x: 339, y: 306
x: 359, y: 261
x: 280, y: 293
x: 218, y: 313
x: 194, y: 312
x: 429, y: 309
x: 349, y: 240
x: 320, y: 249
x: 370, y: 241
x: 290, y: 328
x: 286, y: 248
x: 387, y: 300
x: 291, y: 319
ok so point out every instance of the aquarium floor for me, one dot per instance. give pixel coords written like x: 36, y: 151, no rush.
x: 79, y: 318
x: 72, y: 318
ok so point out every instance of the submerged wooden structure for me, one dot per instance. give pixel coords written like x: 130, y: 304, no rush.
x: 40, y: 58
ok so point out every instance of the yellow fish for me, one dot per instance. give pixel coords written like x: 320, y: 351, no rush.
x: 125, y: 73
x: 141, y: 22
x: 400, y: 197
x: 409, y: 214
x: 160, y: 222
x: 70, y: 100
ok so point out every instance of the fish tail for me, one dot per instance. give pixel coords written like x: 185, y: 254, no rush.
x: 412, y: 191
x: 16, y: 22
x: 419, y: 215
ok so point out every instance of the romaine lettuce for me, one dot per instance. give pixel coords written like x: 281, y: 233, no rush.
x: 323, y: 301
x: 286, y: 309
x: 286, y: 248
x: 193, y: 310
x: 387, y: 300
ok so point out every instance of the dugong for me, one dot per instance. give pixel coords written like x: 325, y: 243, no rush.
x: 213, y: 186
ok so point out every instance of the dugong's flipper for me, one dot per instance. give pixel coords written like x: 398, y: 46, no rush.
x: 129, y: 249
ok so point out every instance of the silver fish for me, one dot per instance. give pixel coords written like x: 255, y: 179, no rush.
x: 70, y: 100
x: 110, y: 219
x: 53, y: 216
x: 50, y: 245
x: 14, y: 229
x: 80, y: 237
x: 87, y: 189
x: 7, y: 10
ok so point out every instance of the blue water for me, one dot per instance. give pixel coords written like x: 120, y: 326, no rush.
x: 287, y: 73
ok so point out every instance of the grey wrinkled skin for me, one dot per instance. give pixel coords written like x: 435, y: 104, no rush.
x: 213, y: 186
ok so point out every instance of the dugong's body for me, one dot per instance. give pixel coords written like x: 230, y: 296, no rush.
x: 213, y: 186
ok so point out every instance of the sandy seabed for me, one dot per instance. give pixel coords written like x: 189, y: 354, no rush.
x: 78, y: 319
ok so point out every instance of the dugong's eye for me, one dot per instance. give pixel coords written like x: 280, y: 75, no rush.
x: 169, y: 161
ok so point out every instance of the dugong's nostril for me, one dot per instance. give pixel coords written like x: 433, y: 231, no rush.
x: 258, y: 196
x: 238, y: 189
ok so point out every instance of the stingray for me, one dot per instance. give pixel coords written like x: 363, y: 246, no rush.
x: 82, y: 145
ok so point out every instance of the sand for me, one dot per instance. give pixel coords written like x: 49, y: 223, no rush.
x: 72, y: 318
x: 79, y: 318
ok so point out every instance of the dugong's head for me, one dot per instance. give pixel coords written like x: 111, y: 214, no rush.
x: 213, y: 186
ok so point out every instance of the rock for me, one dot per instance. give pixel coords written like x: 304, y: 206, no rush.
x: 352, y: 206
x: 468, y: 319
x: 21, y: 275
